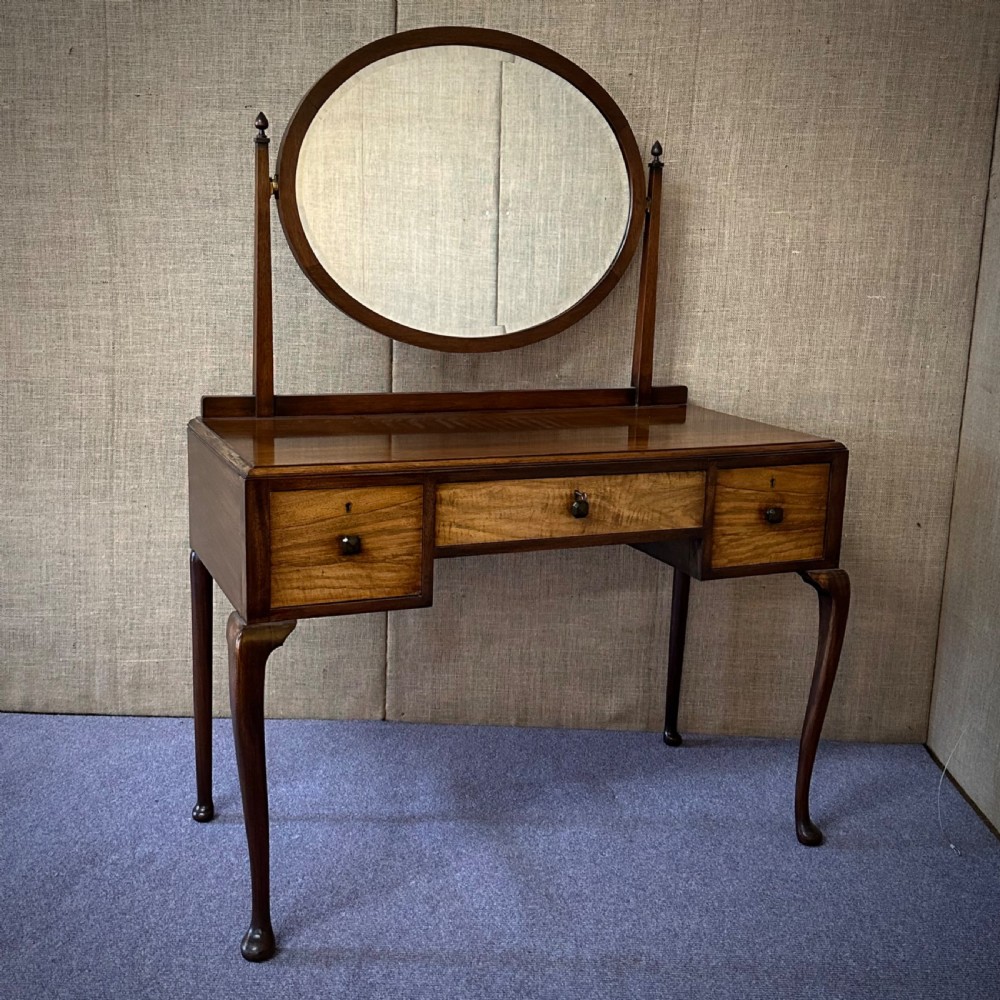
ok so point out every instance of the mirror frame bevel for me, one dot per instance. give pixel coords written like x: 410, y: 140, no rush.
x: 309, y: 106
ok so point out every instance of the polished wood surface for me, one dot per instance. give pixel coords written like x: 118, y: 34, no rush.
x: 307, y: 564
x: 742, y: 535
x: 414, y: 441
x: 361, y: 403
x: 201, y: 648
x: 257, y: 535
x: 514, y: 509
x: 217, y: 514
x: 833, y: 586
x: 249, y: 648
x: 263, y: 330
x: 680, y: 593
x: 645, y: 314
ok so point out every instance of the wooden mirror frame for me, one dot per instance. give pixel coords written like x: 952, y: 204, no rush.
x: 645, y: 215
x: 326, y: 86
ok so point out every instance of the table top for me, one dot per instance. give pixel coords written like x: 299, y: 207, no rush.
x: 396, y: 442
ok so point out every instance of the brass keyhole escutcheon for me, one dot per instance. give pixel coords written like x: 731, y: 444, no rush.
x: 350, y: 545
x: 774, y: 515
x: 580, y: 507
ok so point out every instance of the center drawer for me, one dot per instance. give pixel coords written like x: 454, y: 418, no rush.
x: 352, y: 544
x: 513, y: 510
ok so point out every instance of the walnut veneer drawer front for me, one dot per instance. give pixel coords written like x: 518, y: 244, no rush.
x: 309, y: 564
x: 514, y: 510
x: 769, y: 515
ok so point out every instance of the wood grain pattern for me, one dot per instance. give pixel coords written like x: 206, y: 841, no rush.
x: 263, y: 328
x: 516, y: 509
x: 741, y: 535
x: 412, y: 441
x: 833, y: 586
x: 307, y: 566
x: 645, y: 314
x: 201, y: 661
x: 249, y: 648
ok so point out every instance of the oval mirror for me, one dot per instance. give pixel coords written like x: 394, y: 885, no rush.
x: 461, y: 189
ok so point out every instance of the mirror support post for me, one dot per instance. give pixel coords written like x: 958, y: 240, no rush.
x: 645, y: 314
x: 263, y: 345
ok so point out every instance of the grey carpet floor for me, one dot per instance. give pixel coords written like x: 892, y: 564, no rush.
x: 429, y: 861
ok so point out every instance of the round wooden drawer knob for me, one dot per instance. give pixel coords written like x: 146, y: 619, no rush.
x: 350, y: 545
x: 774, y: 515
x: 580, y: 507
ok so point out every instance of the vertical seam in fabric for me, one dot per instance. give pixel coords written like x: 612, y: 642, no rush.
x: 391, y: 360
x: 965, y: 394
x: 694, y: 69
x: 496, y: 182
x: 114, y: 302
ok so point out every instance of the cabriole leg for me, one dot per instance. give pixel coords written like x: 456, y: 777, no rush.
x: 834, y: 589
x: 249, y: 648
x: 675, y: 655
x: 201, y: 646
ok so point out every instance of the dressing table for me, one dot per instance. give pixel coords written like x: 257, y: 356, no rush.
x: 469, y: 190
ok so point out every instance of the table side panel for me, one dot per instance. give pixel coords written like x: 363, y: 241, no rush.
x: 217, y: 519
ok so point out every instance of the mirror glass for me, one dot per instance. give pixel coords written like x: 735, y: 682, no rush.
x: 463, y: 191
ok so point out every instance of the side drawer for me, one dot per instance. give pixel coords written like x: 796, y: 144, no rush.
x: 514, y: 510
x: 769, y: 515
x: 307, y: 563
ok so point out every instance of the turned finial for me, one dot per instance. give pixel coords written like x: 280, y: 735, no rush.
x: 261, y: 124
x: 657, y: 152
